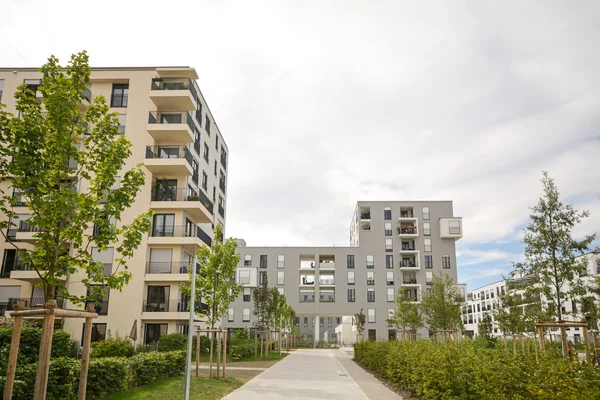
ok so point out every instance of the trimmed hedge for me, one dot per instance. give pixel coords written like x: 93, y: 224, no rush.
x: 29, y: 346
x: 471, y: 371
x: 112, y: 348
x: 105, y: 375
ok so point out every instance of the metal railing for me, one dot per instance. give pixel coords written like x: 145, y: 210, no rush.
x: 175, y: 117
x: 204, y: 236
x: 25, y: 227
x: 174, y: 84
x: 365, y: 216
x: 172, y: 151
x: 327, y: 298
x: 168, y: 306
x: 408, y: 264
x: 101, y: 307
x: 221, y: 211
x: 409, y: 281
x: 307, y: 298
x: 32, y: 302
x: 173, y: 231
x: 326, y: 281
x: 167, y: 267
x: 407, y: 229
x: 171, y: 193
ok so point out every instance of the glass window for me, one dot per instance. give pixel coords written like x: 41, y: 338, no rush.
x: 371, y: 315
x: 370, y: 261
x: 427, y: 228
x: 120, y: 95
x: 425, y: 212
x: 428, y: 261
x: 350, y: 277
x: 246, y: 315
x: 204, y: 181
x: 205, y: 154
x: 247, y: 294
x: 248, y: 260
x: 387, y: 213
x: 98, y: 332
x: 351, y: 295
x: 322, y: 322
x: 244, y: 277
x: 262, y: 276
x: 263, y: 261
x: 230, y: 315
x: 446, y: 262
x: 280, y: 290
x: 388, y: 229
x: 370, y: 277
x: 388, y: 245
x: 350, y: 261
x: 389, y: 261
x: 427, y: 243
x: 281, y: 261
x: 389, y: 277
x: 428, y: 276
x: 454, y: 227
x: 370, y: 295
x: 305, y: 322
x: 280, y: 277
x: 390, y: 294
x: 153, y: 332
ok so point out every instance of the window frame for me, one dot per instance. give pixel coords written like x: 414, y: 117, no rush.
x: 349, y: 280
x: 372, y: 265
x: 389, y: 261
x: 426, y: 228
x: 427, y: 246
x: 369, y: 312
x: 350, y: 261
x: 124, y: 96
x: 426, y: 214
x: 387, y: 213
x: 351, y: 292
x: 244, y: 315
x: 446, y: 264
x: 240, y: 277
x: 390, y: 290
x: 281, y: 277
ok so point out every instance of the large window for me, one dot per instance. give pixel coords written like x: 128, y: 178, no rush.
x: 9, y: 262
x: 389, y: 277
x: 387, y: 213
x: 429, y: 277
x: 120, y: 95
x: 163, y: 225
x: 307, y: 296
x: 157, y: 298
x: 263, y: 261
x: 350, y: 261
x: 454, y: 227
x: 244, y: 277
x: 246, y: 315
x: 351, y: 295
x: 281, y: 261
x: 427, y: 228
x: 101, y: 304
x: 427, y: 243
x: 390, y: 294
x: 371, y: 315
x: 388, y: 245
x: 426, y: 214
x: 389, y: 261
x: 446, y: 262
x: 98, y: 332
x: 388, y: 229
x: 370, y: 277
x: 306, y: 322
x: 370, y: 261
x: 371, y: 295
x: 350, y: 277
x: 230, y: 315
x: 428, y: 261
x: 153, y: 332
x: 327, y: 295
x: 205, y: 154
x: 280, y: 277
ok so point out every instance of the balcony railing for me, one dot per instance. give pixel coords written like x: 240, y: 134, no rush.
x: 407, y: 229
x: 168, y: 267
x: 408, y: 264
x: 170, y: 193
x: 406, y: 214
x: 32, y: 302
x: 409, y: 281
x: 365, y: 216
x: 156, y: 117
x: 204, y: 236
x: 168, y: 306
x: 173, y: 231
x: 174, y: 84
x: 169, y: 152
x: 326, y: 281
x: 197, y: 150
x: 327, y: 298
x: 101, y: 307
x: 25, y: 227
x: 307, y: 298
x: 221, y: 211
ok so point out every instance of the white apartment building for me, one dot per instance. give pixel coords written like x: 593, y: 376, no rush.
x: 485, y: 300
x: 174, y: 134
x: 393, y: 245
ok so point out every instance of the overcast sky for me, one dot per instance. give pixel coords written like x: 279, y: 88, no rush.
x: 324, y: 103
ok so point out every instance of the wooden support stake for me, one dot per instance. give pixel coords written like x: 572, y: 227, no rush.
x: 541, y: 333
x: 197, y: 352
x: 41, y: 378
x: 218, y: 353
x: 85, y: 356
x: 255, y: 344
x: 267, y: 346
x: 522, y: 342
x: 211, y: 354
x: 587, y: 344
x: 12, y: 358
x: 224, y: 354
x: 565, y: 343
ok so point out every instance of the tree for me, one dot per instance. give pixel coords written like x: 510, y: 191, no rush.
x: 288, y: 319
x: 261, y: 305
x: 406, y: 316
x: 551, y: 252
x: 485, y: 327
x: 66, y: 178
x: 359, y: 321
x: 441, y: 307
x: 215, y: 283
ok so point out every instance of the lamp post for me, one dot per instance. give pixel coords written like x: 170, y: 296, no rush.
x: 188, y: 358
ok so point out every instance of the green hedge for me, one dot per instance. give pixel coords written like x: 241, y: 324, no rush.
x: 112, y: 348
x: 472, y: 371
x: 29, y: 346
x: 105, y: 375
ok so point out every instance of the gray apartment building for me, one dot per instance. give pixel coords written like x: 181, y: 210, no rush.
x: 393, y: 245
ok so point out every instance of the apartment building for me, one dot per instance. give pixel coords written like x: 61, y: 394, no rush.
x: 173, y: 133
x: 393, y: 245
x: 486, y: 299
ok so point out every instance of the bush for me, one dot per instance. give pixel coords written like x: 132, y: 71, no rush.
x: 471, y: 370
x: 148, y: 367
x: 107, y: 375
x: 112, y: 348
x: 173, y: 342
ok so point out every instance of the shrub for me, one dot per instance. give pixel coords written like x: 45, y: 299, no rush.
x: 107, y: 375
x: 116, y: 347
x: 172, y: 342
x: 29, y: 346
x: 471, y: 370
x: 148, y: 367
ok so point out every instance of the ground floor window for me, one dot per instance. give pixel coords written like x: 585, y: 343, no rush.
x: 98, y: 332
x: 391, y: 334
x: 153, y: 332
x: 372, y: 334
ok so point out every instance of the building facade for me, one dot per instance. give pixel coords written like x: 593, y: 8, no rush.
x: 486, y: 299
x: 393, y: 245
x: 173, y: 133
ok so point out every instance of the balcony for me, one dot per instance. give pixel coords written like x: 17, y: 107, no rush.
x: 409, y: 250
x: 408, y: 229
x: 327, y: 296
x: 195, y: 203
x: 174, y: 94
x: 25, y: 233
x: 451, y: 228
x: 365, y: 216
x: 168, y: 267
x: 328, y: 280
x: 409, y: 264
x: 31, y: 302
x: 171, y: 127
x: 169, y: 160
x: 168, y: 310
x: 182, y: 235
x: 26, y: 272
x: 87, y: 99
x: 307, y: 296
x: 325, y: 264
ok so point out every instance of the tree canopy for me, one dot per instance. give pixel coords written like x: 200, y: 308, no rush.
x: 441, y: 307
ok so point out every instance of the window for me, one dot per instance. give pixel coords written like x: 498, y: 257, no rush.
x: 263, y: 276
x: 454, y: 227
x: 372, y: 335
x: 427, y: 228
x: 230, y: 315
x: 370, y: 261
x: 247, y: 260
x: 389, y: 261
x: 428, y: 261
x: 122, y: 123
x: 350, y: 277
x: 207, y: 125
x: 371, y: 295
x: 214, y: 194
x: 153, y: 332
x: 351, y: 295
x: 389, y: 277
x: 247, y: 294
x: 244, y: 277
x: 390, y: 294
x: 120, y: 95
x: 387, y: 213
x: 98, y: 332
x: 157, y: 298
x: 371, y: 315
x: 350, y: 261
x: 163, y: 225
x: 217, y: 142
x: 246, y: 315
x: 388, y: 229
x: 425, y: 212
x: 388, y: 245
x: 9, y: 262
x: 280, y: 261
x: 446, y: 262
x: 329, y: 321
x: 205, y: 155
x: 280, y: 277
x: 280, y: 290
x: 305, y: 322
x: 322, y: 322
x: 263, y: 261
x: 427, y: 243
x: 370, y: 277
x: 428, y: 277
x: 307, y: 296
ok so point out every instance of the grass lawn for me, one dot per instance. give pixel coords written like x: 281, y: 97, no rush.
x: 202, y: 388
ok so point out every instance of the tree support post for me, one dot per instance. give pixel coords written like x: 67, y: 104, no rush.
x: 85, y: 357
x: 587, y: 344
x: 41, y: 378
x: 565, y: 343
x: 224, y: 353
x: 218, y: 352
x: 14, y: 352
x: 541, y: 333
x: 197, y: 351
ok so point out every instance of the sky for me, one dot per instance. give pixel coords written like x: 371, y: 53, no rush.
x: 325, y: 103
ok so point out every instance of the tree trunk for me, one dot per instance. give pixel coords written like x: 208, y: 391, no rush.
x: 211, y: 355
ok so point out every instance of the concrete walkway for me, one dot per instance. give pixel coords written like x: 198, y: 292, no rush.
x: 312, y: 374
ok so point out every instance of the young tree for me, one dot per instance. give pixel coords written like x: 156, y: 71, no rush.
x: 62, y: 164
x: 485, y: 327
x: 406, y: 316
x: 359, y: 321
x: 215, y: 283
x: 261, y: 299
x: 509, y: 313
x: 441, y: 307
x: 551, y: 251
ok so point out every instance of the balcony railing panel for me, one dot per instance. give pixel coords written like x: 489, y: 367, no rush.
x: 170, y: 193
x: 168, y: 267
x: 174, y: 84
x: 204, y: 237
x: 32, y: 302
x: 221, y: 211
x: 173, y: 231
x: 169, y: 306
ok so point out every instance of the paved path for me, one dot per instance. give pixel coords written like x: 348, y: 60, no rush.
x: 310, y: 374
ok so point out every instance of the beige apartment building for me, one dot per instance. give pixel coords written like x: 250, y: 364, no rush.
x: 173, y: 133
